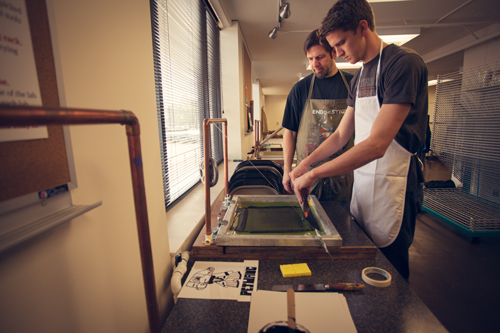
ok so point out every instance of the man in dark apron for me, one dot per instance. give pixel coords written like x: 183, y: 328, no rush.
x: 388, y: 105
x: 313, y: 110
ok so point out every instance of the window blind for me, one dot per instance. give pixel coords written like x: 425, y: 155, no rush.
x: 186, y: 50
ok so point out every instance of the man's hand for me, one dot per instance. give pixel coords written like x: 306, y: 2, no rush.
x: 299, y: 170
x: 287, y: 183
x: 303, y: 182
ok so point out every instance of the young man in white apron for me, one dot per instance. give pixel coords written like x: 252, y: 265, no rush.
x: 388, y: 112
x: 313, y: 111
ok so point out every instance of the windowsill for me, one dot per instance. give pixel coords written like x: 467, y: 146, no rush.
x: 186, y: 218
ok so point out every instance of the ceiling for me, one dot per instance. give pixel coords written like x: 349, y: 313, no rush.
x: 446, y: 28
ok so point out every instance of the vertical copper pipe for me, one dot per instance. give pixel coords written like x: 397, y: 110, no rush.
x: 141, y: 214
x: 259, y: 136
x: 24, y: 116
x: 226, y: 162
x: 206, y: 156
x: 257, y: 139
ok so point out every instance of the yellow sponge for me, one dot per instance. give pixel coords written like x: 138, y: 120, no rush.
x: 295, y: 270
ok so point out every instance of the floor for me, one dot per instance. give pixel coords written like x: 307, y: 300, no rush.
x: 456, y: 276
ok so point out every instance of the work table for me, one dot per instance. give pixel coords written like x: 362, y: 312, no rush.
x: 392, y: 309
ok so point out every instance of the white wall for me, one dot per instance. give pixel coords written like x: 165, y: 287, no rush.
x: 275, y: 107
x: 482, y: 54
x: 258, y: 99
x: 232, y: 83
x: 85, y: 275
x: 233, y: 91
x: 432, y: 104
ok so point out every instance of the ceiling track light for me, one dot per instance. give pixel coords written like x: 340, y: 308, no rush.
x: 284, y: 12
x: 274, y: 32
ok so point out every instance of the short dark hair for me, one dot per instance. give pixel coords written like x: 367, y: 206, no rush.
x: 346, y: 15
x: 314, y: 39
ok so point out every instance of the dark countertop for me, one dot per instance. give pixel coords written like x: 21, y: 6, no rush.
x: 351, y: 233
x: 393, y: 309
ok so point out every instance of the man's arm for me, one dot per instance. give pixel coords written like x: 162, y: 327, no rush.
x: 384, y: 129
x: 330, y: 146
x: 289, y: 139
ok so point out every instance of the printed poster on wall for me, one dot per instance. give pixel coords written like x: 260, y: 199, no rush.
x: 18, y: 77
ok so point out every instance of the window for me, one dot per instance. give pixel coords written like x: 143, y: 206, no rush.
x: 186, y: 52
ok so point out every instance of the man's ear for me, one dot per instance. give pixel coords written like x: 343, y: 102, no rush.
x: 363, y: 27
x: 333, y: 53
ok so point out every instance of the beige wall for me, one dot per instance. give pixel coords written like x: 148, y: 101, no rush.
x: 233, y: 91
x: 248, y: 138
x: 275, y: 107
x: 85, y: 275
x: 232, y: 83
x: 432, y: 102
x: 484, y: 53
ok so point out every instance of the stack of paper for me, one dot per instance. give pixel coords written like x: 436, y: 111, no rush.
x: 315, y: 312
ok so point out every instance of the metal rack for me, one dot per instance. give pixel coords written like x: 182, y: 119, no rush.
x: 466, y: 139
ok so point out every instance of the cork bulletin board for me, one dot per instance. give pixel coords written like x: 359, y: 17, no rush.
x: 31, y: 166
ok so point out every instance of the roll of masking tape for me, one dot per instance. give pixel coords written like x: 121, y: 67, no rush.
x: 376, y: 283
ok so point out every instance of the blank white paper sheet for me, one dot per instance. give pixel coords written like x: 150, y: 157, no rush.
x: 316, y: 312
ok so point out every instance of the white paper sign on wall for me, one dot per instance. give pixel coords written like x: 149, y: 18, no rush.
x: 18, y: 76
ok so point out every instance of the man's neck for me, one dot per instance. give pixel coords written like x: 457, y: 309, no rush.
x: 333, y: 72
x: 372, y: 47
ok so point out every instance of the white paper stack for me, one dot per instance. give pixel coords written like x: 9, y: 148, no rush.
x: 316, y: 312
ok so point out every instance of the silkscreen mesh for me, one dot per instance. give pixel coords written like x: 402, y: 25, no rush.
x: 466, y: 139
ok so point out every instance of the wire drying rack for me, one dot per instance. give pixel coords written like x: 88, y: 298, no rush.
x: 466, y: 139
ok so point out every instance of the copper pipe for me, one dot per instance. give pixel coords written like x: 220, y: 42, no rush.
x: 141, y: 215
x: 257, y: 140
x: 226, y: 172
x: 24, y: 116
x: 259, y: 136
x: 258, y: 124
x: 206, y: 155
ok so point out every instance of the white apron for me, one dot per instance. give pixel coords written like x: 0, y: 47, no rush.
x: 379, y: 188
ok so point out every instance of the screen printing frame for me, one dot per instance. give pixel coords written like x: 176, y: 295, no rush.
x: 330, y: 238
